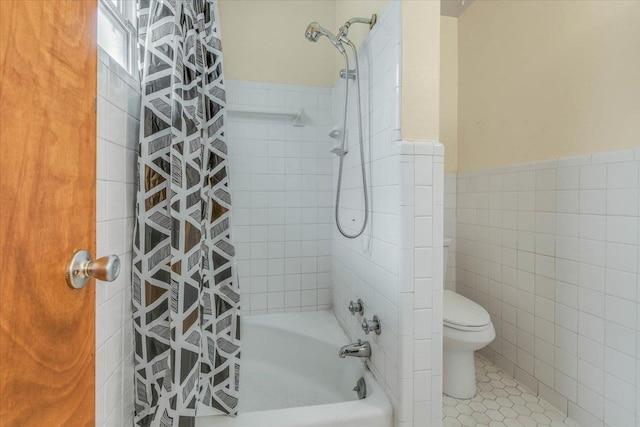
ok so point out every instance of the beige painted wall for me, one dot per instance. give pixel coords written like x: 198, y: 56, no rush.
x: 546, y: 79
x: 420, y: 70
x: 263, y: 40
x: 449, y: 91
x: 347, y: 9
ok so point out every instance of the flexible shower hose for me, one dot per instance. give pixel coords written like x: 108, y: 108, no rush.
x: 344, y: 133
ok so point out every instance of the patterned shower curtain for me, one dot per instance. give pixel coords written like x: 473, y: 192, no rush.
x: 185, y: 295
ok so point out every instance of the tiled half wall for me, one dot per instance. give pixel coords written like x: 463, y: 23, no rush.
x: 550, y: 249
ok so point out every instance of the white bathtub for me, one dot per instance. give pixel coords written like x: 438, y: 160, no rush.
x: 291, y: 376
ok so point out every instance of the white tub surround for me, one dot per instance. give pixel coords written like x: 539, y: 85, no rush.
x: 282, y: 196
x: 292, y: 377
x: 390, y: 267
x: 551, y: 250
x: 353, y: 264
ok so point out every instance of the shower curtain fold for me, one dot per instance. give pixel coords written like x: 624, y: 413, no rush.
x: 185, y: 293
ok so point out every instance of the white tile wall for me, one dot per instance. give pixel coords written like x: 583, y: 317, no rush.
x: 551, y: 250
x: 421, y: 283
x: 401, y: 280
x: 368, y: 267
x: 406, y: 223
x: 290, y: 255
x: 118, y: 113
x: 282, y: 199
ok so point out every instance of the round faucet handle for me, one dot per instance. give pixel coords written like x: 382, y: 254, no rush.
x: 356, y: 307
x: 371, y: 325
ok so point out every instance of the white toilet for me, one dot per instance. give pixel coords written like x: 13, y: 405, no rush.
x: 467, y: 327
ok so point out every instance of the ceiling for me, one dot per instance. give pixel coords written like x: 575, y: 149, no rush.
x: 454, y: 7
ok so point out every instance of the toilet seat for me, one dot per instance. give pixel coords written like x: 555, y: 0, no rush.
x: 463, y: 314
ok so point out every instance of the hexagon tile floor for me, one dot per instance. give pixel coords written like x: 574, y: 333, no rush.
x: 501, y: 402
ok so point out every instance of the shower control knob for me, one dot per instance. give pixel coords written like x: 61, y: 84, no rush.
x: 371, y: 325
x: 82, y: 267
x: 356, y: 307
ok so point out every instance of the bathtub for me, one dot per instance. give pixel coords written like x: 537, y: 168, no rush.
x: 291, y: 376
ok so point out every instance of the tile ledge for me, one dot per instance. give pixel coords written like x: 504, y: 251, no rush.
x: 418, y: 147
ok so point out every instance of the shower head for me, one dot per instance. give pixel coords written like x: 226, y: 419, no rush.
x: 315, y: 30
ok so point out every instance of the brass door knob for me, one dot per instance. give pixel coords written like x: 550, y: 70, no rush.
x: 82, y: 267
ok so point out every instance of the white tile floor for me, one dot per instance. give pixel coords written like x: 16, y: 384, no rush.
x: 501, y: 402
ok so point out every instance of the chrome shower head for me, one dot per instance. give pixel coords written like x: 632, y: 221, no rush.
x: 315, y: 30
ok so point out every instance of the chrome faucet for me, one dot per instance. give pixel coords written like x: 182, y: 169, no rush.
x: 356, y: 307
x: 356, y: 349
x: 371, y: 325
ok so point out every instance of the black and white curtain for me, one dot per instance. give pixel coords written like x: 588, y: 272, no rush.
x: 185, y: 295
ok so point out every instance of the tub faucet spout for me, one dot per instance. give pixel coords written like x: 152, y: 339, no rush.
x: 356, y: 349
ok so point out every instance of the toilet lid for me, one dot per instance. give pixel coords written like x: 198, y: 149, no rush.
x: 459, y: 311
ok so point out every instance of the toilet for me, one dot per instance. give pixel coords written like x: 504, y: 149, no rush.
x: 466, y: 328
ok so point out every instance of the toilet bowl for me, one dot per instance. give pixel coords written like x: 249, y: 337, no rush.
x: 466, y: 328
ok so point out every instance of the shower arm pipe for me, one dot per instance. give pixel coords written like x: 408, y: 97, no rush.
x: 344, y: 30
x: 361, y: 140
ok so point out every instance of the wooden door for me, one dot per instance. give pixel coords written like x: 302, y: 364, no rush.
x: 47, y: 210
